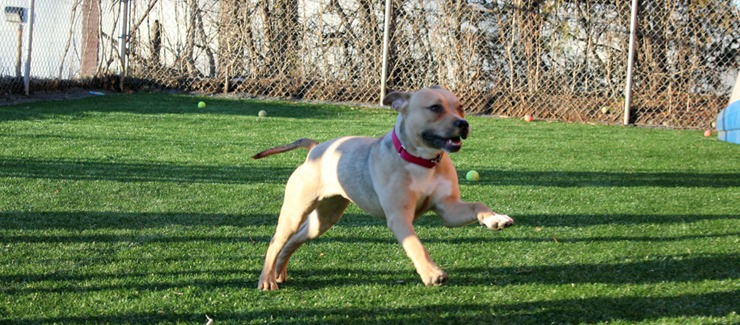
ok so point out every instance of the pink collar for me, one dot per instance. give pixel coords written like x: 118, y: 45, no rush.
x: 428, y: 163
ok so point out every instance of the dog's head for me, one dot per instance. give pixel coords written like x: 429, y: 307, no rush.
x: 432, y: 117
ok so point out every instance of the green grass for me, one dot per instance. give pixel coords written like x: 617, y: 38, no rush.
x: 145, y: 209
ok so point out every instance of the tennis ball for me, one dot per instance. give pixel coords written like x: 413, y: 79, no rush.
x: 262, y: 113
x: 528, y: 118
x: 472, y: 176
x: 201, y: 104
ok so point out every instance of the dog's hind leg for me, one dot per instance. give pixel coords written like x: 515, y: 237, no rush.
x: 327, y: 214
x: 300, y: 201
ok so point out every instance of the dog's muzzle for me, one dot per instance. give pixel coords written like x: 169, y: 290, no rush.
x: 451, y: 142
x: 464, y: 128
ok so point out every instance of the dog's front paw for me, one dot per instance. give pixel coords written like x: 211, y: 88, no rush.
x: 434, y: 278
x: 267, y: 283
x: 497, y: 221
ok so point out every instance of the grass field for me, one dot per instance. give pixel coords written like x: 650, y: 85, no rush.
x: 146, y: 209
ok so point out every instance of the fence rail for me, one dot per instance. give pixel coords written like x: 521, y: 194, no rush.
x: 562, y: 60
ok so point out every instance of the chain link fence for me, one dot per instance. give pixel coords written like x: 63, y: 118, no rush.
x: 559, y: 60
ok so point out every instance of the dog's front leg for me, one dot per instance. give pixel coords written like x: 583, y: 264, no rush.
x: 402, y: 228
x: 455, y: 213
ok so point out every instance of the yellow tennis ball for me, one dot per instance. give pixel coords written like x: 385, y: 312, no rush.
x: 472, y: 176
x: 201, y: 104
x: 262, y: 113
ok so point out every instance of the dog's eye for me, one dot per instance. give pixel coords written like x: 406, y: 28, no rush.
x: 435, y: 108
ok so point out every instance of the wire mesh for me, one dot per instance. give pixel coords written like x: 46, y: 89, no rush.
x: 559, y: 60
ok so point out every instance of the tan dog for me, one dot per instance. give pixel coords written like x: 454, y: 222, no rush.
x: 398, y: 176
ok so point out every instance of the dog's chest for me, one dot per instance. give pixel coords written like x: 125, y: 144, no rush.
x: 428, y: 184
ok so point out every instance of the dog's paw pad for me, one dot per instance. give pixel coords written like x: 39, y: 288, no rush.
x: 441, y: 279
x: 267, y: 284
x: 498, y: 221
x: 435, y: 279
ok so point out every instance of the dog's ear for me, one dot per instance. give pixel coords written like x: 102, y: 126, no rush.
x: 397, y: 99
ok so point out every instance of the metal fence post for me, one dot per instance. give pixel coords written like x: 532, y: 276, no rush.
x: 630, y: 63
x: 27, y: 74
x: 19, y: 51
x: 122, y: 43
x: 386, y: 41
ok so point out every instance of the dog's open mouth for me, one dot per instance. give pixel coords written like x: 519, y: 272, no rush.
x: 453, y: 144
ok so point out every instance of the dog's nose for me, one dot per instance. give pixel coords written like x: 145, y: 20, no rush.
x: 463, y: 126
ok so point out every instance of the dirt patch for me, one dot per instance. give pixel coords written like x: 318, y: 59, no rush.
x: 72, y: 93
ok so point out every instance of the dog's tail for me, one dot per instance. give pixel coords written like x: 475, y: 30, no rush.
x: 300, y: 143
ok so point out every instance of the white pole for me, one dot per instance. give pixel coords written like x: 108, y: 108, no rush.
x: 27, y: 74
x: 123, y: 40
x: 386, y: 40
x: 630, y: 63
